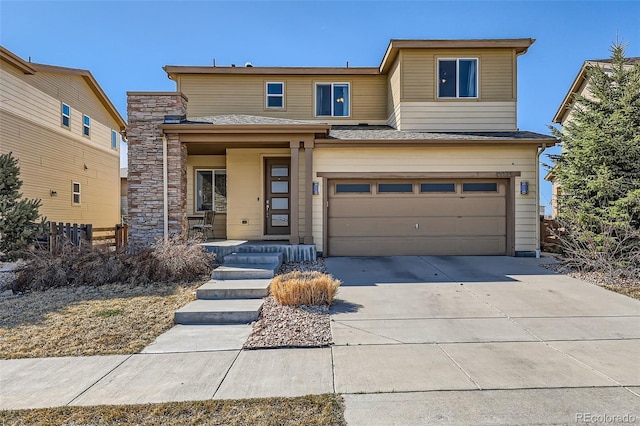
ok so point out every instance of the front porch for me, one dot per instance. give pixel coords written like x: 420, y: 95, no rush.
x: 290, y: 252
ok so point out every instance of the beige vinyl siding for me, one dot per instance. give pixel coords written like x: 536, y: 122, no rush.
x: 496, y: 73
x: 438, y: 159
x: 216, y: 94
x: 55, y: 165
x: 457, y: 116
x: 245, y: 189
x: 393, y: 93
x: 195, y: 162
x: 39, y: 98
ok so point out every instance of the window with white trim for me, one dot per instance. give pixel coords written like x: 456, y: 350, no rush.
x: 458, y: 78
x: 75, y: 197
x: 86, y: 125
x: 332, y: 100
x: 211, y: 190
x: 275, y: 95
x: 65, y: 111
x: 114, y: 139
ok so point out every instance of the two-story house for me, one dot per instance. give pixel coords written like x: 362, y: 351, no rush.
x: 419, y: 155
x: 65, y: 132
x: 564, y: 114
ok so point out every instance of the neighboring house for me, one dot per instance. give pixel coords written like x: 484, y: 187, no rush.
x: 66, y: 134
x: 419, y: 155
x: 564, y: 114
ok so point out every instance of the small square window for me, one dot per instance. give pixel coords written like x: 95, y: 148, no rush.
x: 114, y: 139
x: 332, y: 100
x: 86, y: 125
x: 211, y: 190
x: 457, y: 78
x: 66, y: 115
x: 275, y: 95
x: 75, y: 194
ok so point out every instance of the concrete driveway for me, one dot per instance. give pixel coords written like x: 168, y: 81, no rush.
x: 473, y: 340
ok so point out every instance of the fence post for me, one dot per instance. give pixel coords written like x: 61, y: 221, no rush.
x: 89, y: 234
x: 52, y: 237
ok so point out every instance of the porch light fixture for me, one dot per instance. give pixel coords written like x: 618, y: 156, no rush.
x: 316, y: 188
x: 524, y: 187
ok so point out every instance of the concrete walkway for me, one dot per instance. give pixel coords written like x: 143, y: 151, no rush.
x: 418, y: 340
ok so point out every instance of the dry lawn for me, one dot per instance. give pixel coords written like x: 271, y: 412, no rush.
x: 307, y: 410
x: 74, y: 321
x: 304, y: 288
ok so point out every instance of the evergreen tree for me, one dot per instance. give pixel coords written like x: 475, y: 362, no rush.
x: 599, y: 167
x: 18, y: 228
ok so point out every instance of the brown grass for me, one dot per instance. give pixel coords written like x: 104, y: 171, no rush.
x: 627, y: 291
x: 75, y: 321
x: 304, y: 288
x: 308, y: 410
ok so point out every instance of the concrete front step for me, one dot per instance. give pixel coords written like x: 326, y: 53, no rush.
x: 234, y: 289
x: 249, y: 258
x: 245, y: 271
x: 230, y: 311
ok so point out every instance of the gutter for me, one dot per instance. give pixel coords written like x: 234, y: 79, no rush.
x: 165, y: 190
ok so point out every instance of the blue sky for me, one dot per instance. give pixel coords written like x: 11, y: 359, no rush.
x: 126, y: 43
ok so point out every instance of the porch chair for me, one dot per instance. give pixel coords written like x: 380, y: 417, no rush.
x: 206, y: 226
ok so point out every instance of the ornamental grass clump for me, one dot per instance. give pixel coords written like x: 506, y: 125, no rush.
x: 304, y: 288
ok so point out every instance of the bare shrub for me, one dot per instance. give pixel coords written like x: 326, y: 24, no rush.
x: 614, y: 249
x: 304, y: 288
x: 176, y: 260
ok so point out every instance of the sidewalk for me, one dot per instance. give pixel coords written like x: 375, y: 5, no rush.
x: 450, y: 344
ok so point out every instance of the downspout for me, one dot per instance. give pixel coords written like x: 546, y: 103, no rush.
x: 165, y: 190
x: 539, y: 152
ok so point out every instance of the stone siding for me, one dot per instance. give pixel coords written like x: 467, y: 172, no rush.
x: 145, y: 191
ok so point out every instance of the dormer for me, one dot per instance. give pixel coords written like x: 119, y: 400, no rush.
x: 453, y: 85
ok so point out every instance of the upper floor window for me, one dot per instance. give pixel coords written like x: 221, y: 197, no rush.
x: 457, y: 78
x: 275, y: 95
x: 66, y: 115
x: 114, y: 139
x: 332, y: 100
x: 86, y: 125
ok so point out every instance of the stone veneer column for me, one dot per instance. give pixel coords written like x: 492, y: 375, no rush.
x: 146, y: 110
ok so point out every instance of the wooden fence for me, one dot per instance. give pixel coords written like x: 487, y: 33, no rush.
x: 549, y: 235
x: 85, y: 235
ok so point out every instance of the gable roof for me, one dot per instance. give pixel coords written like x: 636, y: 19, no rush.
x: 32, y: 68
x: 578, y: 84
x: 15, y: 60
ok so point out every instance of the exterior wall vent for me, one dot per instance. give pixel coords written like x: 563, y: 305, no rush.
x: 174, y: 119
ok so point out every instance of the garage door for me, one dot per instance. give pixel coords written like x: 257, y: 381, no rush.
x: 410, y: 217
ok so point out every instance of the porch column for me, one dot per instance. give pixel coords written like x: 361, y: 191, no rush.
x: 308, y: 191
x: 294, y: 193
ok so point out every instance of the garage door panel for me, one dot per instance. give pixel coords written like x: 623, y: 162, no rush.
x: 406, y: 226
x: 379, y: 224
x: 416, y: 205
x: 415, y: 246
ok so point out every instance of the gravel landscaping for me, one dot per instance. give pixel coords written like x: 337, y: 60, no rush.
x: 288, y: 326
x: 622, y: 285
